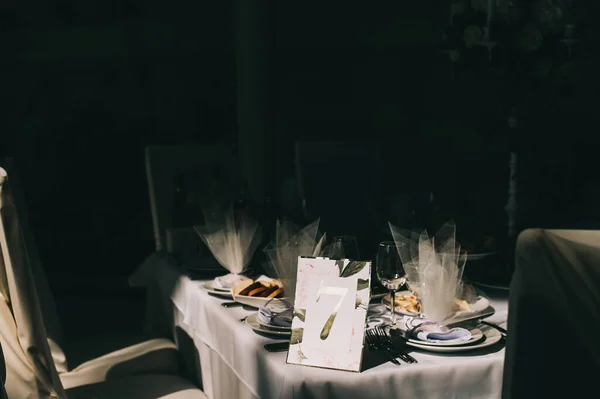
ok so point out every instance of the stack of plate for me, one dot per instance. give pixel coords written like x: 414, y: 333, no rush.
x: 269, y: 329
x: 222, y: 292
x: 481, y: 337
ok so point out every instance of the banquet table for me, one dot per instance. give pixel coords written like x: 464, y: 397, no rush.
x: 234, y: 364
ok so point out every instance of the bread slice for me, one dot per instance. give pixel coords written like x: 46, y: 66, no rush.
x: 268, y: 291
x: 258, y: 291
x: 246, y: 291
x: 275, y: 293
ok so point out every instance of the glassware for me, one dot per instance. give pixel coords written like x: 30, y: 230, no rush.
x: 343, y: 247
x: 390, y: 272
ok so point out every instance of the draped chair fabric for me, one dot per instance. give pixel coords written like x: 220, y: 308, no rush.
x: 31, y: 372
x: 165, y: 163
x: 553, y: 347
x: 2, y: 375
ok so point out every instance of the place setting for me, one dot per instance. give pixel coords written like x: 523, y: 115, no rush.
x: 275, y: 297
x: 232, y: 239
x: 438, y: 305
x: 315, y: 301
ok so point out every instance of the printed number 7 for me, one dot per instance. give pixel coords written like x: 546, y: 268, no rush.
x: 339, y: 291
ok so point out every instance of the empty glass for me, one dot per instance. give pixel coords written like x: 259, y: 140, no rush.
x: 343, y: 247
x: 390, y: 272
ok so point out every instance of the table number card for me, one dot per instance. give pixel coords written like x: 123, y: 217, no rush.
x: 332, y: 298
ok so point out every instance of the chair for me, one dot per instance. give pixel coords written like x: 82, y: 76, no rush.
x: 552, y: 347
x: 27, y: 338
x: 339, y: 182
x: 166, y: 164
x: 200, y: 171
x: 2, y: 375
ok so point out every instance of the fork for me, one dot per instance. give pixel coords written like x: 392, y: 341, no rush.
x: 373, y: 343
x: 386, y: 339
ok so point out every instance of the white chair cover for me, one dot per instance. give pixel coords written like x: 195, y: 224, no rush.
x: 163, y: 163
x: 553, y: 347
x: 2, y: 375
x: 30, y: 367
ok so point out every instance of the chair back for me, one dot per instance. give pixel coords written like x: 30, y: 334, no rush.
x: 339, y: 182
x: 30, y: 369
x: 552, y: 347
x: 195, y: 169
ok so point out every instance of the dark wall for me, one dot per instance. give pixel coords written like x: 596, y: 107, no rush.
x: 88, y: 84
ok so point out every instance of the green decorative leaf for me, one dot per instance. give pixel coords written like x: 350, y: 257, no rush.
x: 301, y: 314
x: 340, y: 265
x: 358, y: 301
x: 297, y: 334
x: 353, y: 268
x: 362, y: 284
x: 327, y: 328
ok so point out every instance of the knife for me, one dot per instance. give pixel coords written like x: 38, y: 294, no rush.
x: 497, y: 327
x: 231, y: 304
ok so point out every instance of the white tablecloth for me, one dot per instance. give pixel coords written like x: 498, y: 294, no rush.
x: 234, y: 363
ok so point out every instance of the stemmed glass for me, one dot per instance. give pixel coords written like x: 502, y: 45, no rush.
x: 390, y: 272
x: 344, y: 247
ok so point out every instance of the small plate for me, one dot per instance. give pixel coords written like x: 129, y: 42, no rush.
x: 208, y: 287
x: 387, y: 299
x: 252, y: 301
x: 252, y: 321
x: 476, y: 336
x: 481, y: 306
x: 490, y: 337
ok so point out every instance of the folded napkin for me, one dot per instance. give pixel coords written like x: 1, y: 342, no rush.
x: 228, y: 281
x: 276, y: 312
x: 430, y: 331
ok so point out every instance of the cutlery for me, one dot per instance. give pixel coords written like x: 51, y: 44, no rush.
x: 277, y: 347
x: 230, y: 304
x: 497, y: 327
x: 387, y: 340
x: 374, y: 343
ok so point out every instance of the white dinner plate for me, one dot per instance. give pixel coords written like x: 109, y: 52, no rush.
x: 273, y: 327
x: 490, y: 337
x: 477, y: 309
x: 476, y: 335
x: 252, y: 321
x: 208, y: 287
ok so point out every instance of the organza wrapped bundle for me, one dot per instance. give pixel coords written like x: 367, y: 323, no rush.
x: 436, y: 266
x: 291, y: 242
x: 232, y: 239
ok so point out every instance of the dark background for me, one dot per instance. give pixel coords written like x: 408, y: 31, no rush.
x: 86, y: 85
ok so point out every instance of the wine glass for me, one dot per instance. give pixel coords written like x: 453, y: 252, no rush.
x: 344, y: 247
x: 390, y: 272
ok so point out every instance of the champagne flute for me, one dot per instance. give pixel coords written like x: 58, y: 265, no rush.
x: 390, y: 272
